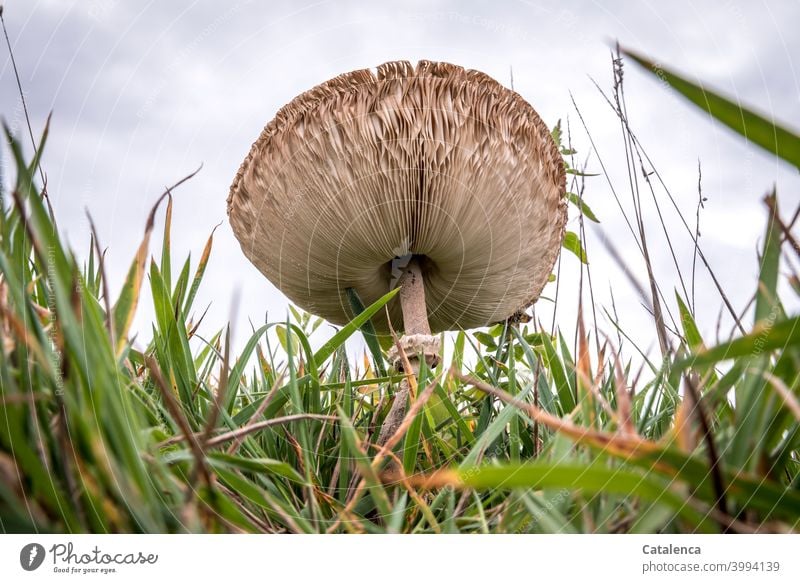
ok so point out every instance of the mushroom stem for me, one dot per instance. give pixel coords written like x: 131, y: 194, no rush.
x: 412, y: 300
x: 416, y: 343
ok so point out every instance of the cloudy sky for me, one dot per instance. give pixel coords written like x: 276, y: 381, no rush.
x: 142, y: 93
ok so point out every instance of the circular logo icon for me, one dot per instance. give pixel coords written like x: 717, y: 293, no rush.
x: 31, y: 556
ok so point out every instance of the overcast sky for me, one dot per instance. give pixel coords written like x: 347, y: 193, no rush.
x: 142, y: 93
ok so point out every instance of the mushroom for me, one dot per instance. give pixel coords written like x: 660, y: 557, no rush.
x: 433, y: 177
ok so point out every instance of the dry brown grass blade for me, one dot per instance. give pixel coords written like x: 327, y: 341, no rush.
x: 601, y: 363
x: 618, y: 444
x: 583, y: 367
x: 242, y: 432
x: 624, y: 401
x: 437, y: 479
x: 194, y: 327
x: 254, y: 427
x: 140, y: 260
x: 204, y: 257
x: 685, y: 434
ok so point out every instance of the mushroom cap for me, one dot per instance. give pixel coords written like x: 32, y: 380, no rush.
x: 435, y: 160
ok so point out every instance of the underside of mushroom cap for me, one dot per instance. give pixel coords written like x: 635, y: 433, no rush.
x: 436, y: 161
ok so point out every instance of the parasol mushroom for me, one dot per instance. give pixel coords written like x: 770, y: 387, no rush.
x: 433, y: 177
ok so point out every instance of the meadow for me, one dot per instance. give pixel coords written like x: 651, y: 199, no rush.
x: 520, y: 430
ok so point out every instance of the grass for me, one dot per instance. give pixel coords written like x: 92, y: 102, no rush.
x: 515, y: 433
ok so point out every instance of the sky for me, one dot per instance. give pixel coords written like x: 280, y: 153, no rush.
x: 143, y: 93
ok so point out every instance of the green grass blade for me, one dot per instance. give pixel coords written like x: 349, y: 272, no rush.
x: 342, y: 335
x: 754, y: 127
x: 579, y: 203
x: 595, y: 477
x: 572, y: 243
x: 784, y: 334
x: 767, y: 306
x: 368, y: 331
